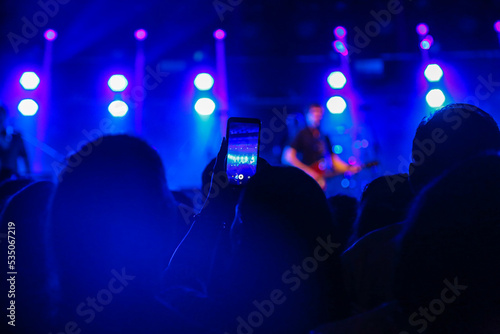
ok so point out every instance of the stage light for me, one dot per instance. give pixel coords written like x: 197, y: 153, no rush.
x: 204, y: 81
x: 345, y: 183
x: 340, y: 48
x: 427, y: 42
x: 364, y: 143
x: 29, y: 80
x: 339, y: 32
x: 27, y: 107
x: 140, y: 34
x: 352, y: 161
x: 204, y: 106
x: 336, y: 105
x: 338, y: 149
x: 422, y: 29
x: 50, y: 35
x: 435, y: 98
x: 118, y: 108
x: 433, y: 73
x: 337, y: 80
x: 497, y: 26
x: 219, y: 34
x: 117, y: 83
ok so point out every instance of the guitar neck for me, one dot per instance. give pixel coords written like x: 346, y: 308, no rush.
x: 326, y: 171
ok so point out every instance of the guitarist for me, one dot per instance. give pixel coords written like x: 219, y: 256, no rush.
x: 313, y: 147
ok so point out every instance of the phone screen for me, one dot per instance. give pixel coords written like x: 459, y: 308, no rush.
x: 243, y: 150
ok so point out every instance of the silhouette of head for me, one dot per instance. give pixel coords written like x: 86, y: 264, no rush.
x: 449, y: 136
x: 284, y: 202
x: 112, y: 210
x: 382, y: 204
x: 281, y: 217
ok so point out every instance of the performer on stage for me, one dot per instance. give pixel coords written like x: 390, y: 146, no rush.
x: 11, y: 146
x: 314, y: 148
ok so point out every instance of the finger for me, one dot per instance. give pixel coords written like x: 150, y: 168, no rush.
x: 223, y: 148
x: 224, y: 145
x: 221, y: 156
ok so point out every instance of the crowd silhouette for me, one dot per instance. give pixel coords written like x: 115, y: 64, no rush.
x: 110, y: 249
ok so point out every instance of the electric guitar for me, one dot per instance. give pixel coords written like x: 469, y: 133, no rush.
x: 325, y: 169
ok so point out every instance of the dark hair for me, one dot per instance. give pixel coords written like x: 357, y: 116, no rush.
x: 112, y: 209
x: 284, y: 214
x: 285, y: 198
x: 449, y: 136
x: 313, y: 105
x: 382, y: 204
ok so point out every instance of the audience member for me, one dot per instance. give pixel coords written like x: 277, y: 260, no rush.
x: 449, y: 268
x: 112, y: 233
x: 92, y: 250
x: 442, y: 140
x: 382, y: 204
x: 448, y: 137
x: 281, y: 258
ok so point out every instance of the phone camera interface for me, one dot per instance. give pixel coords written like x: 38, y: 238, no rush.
x: 242, y: 152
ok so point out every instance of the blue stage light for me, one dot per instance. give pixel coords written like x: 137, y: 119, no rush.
x: 118, y: 108
x: 50, y: 35
x: 337, y: 80
x: 29, y: 80
x: 338, y: 149
x: 433, y: 72
x: 336, y: 105
x: 204, y: 81
x: 204, y: 106
x: 339, y: 32
x: 140, y: 34
x: 435, y: 98
x: 340, y: 48
x: 117, y: 83
x: 219, y: 34
x: 345, y: 183
x: 422, y: 29
x: 427, y: 42
x: 28, y: 107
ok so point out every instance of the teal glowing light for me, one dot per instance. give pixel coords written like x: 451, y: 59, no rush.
x: 336, y: 105
x: 205, y: 106
x: 118, y: 108
x: 27, y: 107
x: 435, y: 98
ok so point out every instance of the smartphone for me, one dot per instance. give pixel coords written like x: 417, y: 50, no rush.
x: 243, y: 140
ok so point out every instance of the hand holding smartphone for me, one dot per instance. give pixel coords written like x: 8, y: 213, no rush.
x: 243, y: 136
